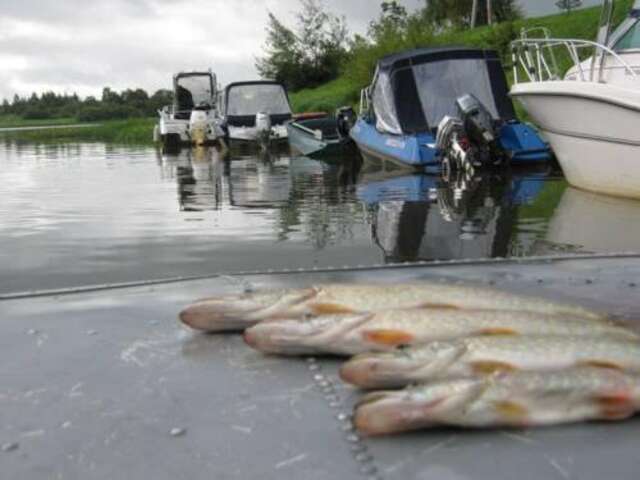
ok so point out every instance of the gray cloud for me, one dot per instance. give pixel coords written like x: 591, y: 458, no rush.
x: 75, y: 45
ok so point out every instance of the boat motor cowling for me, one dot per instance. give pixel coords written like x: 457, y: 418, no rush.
x: 346, y: 119
x: 263, y: 128
x: 476, y: 119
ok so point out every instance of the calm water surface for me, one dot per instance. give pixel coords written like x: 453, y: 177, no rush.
x: 78, y: 214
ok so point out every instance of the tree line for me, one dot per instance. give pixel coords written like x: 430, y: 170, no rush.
x: 318, y: 47
x: 129, y: 103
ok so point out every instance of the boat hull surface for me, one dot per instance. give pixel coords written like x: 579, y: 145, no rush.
x: 593, y: 130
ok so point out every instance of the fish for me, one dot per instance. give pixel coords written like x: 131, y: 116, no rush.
x: 511, y: 399
x: 483, y: 356
x: 351, y: 334
x: 235, y: 313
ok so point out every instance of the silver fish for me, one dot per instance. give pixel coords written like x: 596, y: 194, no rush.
x: 351, y: 334
x: 480, y: 356
x: 238, y: 312
x: 517, y: 399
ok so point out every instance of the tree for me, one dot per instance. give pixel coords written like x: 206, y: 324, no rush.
x: 393, y: 20
x: 568, y: 5
x: 309, y: 55
x: 460, y: 13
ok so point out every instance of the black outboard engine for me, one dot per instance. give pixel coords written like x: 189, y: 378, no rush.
x: 479, y: 127
x: 471, y: 140
x: 346, y: 119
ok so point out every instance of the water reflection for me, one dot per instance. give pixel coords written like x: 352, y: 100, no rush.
x: 419, y: 217
x: 596, y: 223
x: 77, y: 214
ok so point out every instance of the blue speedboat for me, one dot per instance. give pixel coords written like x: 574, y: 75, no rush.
x: 444, y: 106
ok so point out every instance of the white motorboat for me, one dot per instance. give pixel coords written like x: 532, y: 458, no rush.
x: 591, y: 116
x: 256, y: 111
x: 193, y: 117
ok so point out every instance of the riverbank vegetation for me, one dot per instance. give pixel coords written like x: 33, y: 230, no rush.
x: 129, y: 131
x: 396, y: 30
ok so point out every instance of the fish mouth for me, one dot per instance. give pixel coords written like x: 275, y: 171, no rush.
x: 368, y: 371
x: 217, y: 316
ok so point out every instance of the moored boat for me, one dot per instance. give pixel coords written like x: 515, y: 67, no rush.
x: 256, y: 111
x: 320, y: 135
x: 193, y: 117
x: 592, y: 114
x: 443, y: 106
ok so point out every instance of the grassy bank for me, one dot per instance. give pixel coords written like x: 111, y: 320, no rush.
x: 346, y: 89
x: 10, y: 121
x: 132, y: 131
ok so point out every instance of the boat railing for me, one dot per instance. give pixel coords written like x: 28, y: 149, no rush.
x: 537, y: 58
x: 365, y: 101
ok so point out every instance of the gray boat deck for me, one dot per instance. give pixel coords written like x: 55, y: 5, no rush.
x: 94, y: 383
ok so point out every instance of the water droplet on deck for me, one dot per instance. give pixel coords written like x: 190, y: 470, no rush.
x: 368, y: 469
x: 325, y: 384
x: 358, y: 447
x: 10, y: 447
x: 363, y: 457
x: 335, y: 404
x: 347, y: 427
x: 92, y: 333
x: 32, y: 331
x: 314, y: 367
x: 353, y: 438
x: 343, y: 416
x: 319, y: 377
x: 178, y: 432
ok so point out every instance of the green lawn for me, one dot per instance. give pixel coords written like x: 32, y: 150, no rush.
x: 8, y: 121
x: 132, y: 131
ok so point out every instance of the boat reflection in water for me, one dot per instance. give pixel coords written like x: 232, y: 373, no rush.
x: 596, y: 223
x: 346, y: 205
x: 420, y: 217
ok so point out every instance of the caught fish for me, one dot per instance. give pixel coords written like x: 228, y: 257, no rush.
x: 351, y: 334
x: 517, y: 399
x: 483, y: 356
x: 238, y: 312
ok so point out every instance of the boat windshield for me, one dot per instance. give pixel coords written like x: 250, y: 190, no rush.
x: 193, y: 90
x: 441, y: 83
x: 245, y: 100
x: 630, y: 40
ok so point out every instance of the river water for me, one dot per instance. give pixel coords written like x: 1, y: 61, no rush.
x: 85, y: 214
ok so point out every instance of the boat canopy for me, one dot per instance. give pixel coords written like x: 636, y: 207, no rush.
x: 627, y: 35
x: 193, y: 89
x: 412, y: 91
x: 244, y: 100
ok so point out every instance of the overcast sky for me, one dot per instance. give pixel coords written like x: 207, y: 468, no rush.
x: 81, y: 46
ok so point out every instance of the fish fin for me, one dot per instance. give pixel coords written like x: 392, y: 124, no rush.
x: 489, y: 367
x: 512, y: 411
x: 440, y: 306
x: 616, y: 406
x: 390, y: 338
x: 497, y: 332
x: 602, y: 364
x: 330, y: 309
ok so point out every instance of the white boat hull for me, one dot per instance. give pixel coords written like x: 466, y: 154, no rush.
x: 250, y: 134
x: 594, y: 130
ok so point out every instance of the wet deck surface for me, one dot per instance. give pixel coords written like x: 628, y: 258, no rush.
x: 94, y: 383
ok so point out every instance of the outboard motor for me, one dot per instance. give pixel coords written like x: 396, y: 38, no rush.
x: 199, y: 125
x: 479, y: 126
x: 263, y: 128
x: 346, y: 119
x: 468, y: 141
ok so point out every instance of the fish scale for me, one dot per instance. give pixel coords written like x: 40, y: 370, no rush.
x: 516, y: 399
x: 487, y: 355
x: 238, y: 312
x: 385, y: 330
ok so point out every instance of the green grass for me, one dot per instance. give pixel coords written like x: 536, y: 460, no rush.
x: 132, y: 131
x: 8, y: 121
x: 346, y: 89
